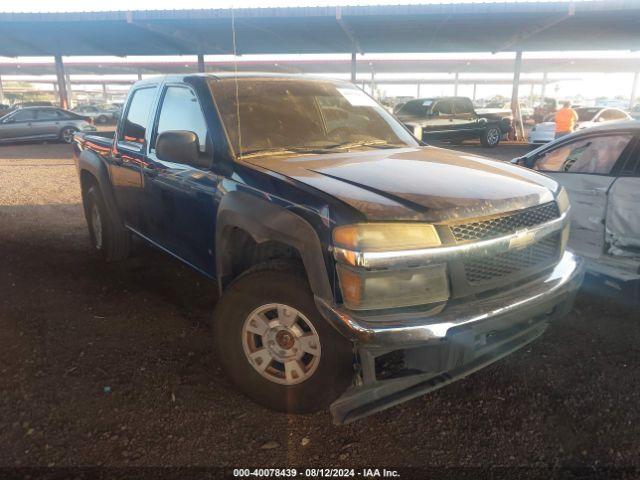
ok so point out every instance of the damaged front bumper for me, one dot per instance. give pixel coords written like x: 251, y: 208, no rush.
x: 404, y: 355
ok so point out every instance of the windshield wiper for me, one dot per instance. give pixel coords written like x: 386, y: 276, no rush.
x: 372, y: 144
x: 320, y: 149
x: 281, y: 151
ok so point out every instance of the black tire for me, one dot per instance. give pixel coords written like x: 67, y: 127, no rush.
x: 66, y: 134
x: 101, y: 119
x: 109, y: 239
x: 269, y: 283
x: 490, y: 137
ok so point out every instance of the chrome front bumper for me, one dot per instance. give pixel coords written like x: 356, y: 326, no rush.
x: 449, y: 345
x: 408, y: 330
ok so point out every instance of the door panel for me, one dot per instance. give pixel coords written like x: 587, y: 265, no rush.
x: 623, y: 217
x: 588, y: 197
x: 182, y: 198
x: 440, y: 123
x: 129, y: 157
x: 183, y: 211
x: 584, y: 167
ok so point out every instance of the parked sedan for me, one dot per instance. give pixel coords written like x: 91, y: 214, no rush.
x: 600, y: 169
x: 587, y: 117
x: 42, y: 123
x: 97, y: 113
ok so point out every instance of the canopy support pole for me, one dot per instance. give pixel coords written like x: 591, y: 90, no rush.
x: 544, y: 87
x: 62, y: 84
x: 353, y: 67
x: 455, y: 85
x: 200, y: 63
x: 515, y: 104
x: 1, y: 91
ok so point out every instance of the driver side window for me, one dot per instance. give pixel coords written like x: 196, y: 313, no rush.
x: 443, y: 108
x: 181, y: 111
x: 596, y: 155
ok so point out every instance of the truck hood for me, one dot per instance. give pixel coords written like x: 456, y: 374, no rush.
x: 423, y: 184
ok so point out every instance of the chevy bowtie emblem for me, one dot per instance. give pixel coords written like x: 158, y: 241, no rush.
x: 522, y: 239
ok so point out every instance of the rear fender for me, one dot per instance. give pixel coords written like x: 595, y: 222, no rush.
x: 91, y: 162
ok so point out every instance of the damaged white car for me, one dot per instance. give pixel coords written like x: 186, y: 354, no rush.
x: 600, y: 169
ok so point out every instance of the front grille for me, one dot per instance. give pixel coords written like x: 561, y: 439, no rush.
x: 540, y: 255
x: 498, y: 226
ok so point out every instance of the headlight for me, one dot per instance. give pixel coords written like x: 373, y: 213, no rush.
x: 563, y: 200
x: 370, y: 289
x: 378, y: 237
x: 365, y: 289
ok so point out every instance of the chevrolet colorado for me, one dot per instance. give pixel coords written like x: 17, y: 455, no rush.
x: 357, y: 267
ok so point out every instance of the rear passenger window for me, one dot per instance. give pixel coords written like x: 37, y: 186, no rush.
x: 463, y: 106
x: 589, y: 155
x: 181, y: 111
x: 135, y: 125
x: 48, y: 114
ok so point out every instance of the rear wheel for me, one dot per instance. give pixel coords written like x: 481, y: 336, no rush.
x: 275, y: 346
x: 101, y: 119
x: 109, y: 239
x: 66, y: 135
x: 490, y: 137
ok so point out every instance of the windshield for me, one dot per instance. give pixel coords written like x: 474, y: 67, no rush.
x: 586, y: 114
x: 278, y: 114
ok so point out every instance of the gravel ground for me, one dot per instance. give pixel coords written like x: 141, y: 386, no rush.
x: 112, y: 365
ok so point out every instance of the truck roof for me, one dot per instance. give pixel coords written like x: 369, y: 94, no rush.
x: 225, y: 75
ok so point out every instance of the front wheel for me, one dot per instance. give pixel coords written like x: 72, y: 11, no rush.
x: 490, y: 137
x: 275, y: 346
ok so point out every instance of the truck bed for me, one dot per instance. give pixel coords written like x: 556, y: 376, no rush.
x: 102, y: 139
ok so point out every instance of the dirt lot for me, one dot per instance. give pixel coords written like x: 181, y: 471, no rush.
x: 112, y: 365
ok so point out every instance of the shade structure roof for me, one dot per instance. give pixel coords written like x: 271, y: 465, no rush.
x: 331, y: 66
x: 464, y: 27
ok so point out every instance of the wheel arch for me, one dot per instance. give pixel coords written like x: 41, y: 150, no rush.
x: 243, y: 217
x: 91, y: 168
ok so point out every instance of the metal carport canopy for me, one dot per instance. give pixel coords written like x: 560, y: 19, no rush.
x: 465, y: 27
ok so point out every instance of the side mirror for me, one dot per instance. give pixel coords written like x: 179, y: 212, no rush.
x: 180, y: 146
x: 8, y: 120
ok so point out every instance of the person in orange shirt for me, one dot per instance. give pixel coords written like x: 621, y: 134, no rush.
x: 566, y: 119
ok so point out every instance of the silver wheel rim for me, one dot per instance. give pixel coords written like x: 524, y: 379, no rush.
x: 281, y: 344
x: 67, y: 135
x: 96, y: 226
x: 493, y: 136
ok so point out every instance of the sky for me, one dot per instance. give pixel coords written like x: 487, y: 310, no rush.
x: 589, y: 85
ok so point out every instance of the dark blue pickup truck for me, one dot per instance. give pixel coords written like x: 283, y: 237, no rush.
x: 357, y: 267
